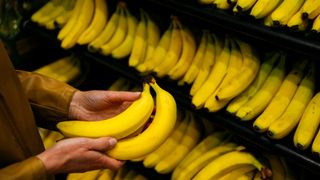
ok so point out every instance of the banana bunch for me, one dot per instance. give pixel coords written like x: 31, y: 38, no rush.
x: 49, y: 137
x: 131, y: 120
x: 279, y: 167
x: 64, y: 69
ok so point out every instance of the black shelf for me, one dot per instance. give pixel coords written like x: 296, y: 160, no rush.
x: 285, y: 148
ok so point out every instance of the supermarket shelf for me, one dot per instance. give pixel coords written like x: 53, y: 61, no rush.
x: 244, y: 26
x: 243, y: 130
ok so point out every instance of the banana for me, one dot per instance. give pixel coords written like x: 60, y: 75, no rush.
x: 264, y: 95
x: 118, y: 126
x: 316, y: 24
x: 315, y: 148
x: 228, y: 162
x: 281, y: 127
x: 193, y: 70
x: 158, y: 131
x: 221, y: 4
x: 63, y: 18
x: 171, y: 142
x: 107, y: 32
x: 245, y: 76
x: 264, y: 72
x: 262, y: 8
x: 106, y: 174
x: 189, y: 140
x: 139, y: 177
x: 310, y: 9
x: 121, y: 173
x: 206, y: 1
x: 51, y: 68
x: 282, y: 98
x: 173, y: 53
x: 278, y: 171
x: 247, y: 176
x: 187, y: 54
x: 117, y: 84
x: 131, y: 173
x: 243, y: 5
x: 124, y: 49
x: 308, y: 124
x: 43, y: 132
x: 119, y: 35
x: 208, y: 61
x: 72, y: 74
x: 52, y: 139
x: 43, y: 11
x: 139, y: 47
x: 217, y: 73
x: 82, y: 22
x: 212, y: 104
x: 296, y: 22
x: 99, y: 20
x: 238, y: 173
x: 282, y: 14
x: 207, y: 157
x: 52, y: 14
x: 93, y: 174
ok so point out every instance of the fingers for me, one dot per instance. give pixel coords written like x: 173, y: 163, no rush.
x: 121, y: 96
x: 111, y: 163
x: 102, y: 144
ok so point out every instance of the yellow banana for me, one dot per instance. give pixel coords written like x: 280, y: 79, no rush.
x: 139, y: 177
x: 106, y: 174
x: 139, y: 48
x: 264, y: 95
x: 193, y: 70
x: 72, y: 73
x: 315, y: 148
x: 43, y: 132
x: 308, y: 124
x: 189, y: 140
x: 207, y: 62
x: 107, y: 32
x: 263, y: 8
x: 159, y: 53
x: 296, y: 22
x: 278, y: 171
x: 243, y: 5
x: 43, y: 11
x: 282, y: 14
x: 247, y: 73
x: 119, y: 35
x: 212, y: 104
x: 118, y: 126
x: 52, y: 139
x: 211, y: 141
x: 83, y: 20
x: 217, y: 73
x: 188, y: 51
x: 281, y: 127
x: 282, y: 98
x: 316, y: 24
x: 174, y: 51
x: 53, y: 67
x: 247, y: 176
x: 63, y: 18
x: 310, y: 9
x: 228, y: 162
x: 98, y: 22
x: 51, y: 15
x: 238, y: 173
x: 207, y: 157
x: 124, y: 49
x: 222, y: 4
x: 158, y: 131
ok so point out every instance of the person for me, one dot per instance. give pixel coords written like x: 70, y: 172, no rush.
x: 28, y: 100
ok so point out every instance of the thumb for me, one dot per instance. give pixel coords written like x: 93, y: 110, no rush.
x: 121, y: 96
x: 102, y: 144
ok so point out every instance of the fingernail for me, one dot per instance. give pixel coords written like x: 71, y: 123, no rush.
x: 112, y: 141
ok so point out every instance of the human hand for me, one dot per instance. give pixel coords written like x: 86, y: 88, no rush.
x: 99, y: 105
x: 79, y: 155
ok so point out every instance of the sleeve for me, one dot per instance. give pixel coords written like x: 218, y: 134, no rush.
x: 50, y: 99
x: 31, y: 168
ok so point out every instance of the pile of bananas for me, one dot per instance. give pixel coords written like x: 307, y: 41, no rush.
x: 64, y: 69
x: 298, y: 15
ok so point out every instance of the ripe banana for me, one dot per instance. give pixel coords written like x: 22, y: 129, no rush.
x: 243, y: 5
x: 82, y: 22
x: 52, y: 139
x: 277, y: 168
x: 98, y: 22
x: 316, y: 24
x: 43, y: 11
x: 124, y: 49
x: 174, y: 51
x: 107, y: 32
x: 72, y: 73
x: 228, y: 162
x: 158, y: 131
x: 308, y: 124
x: 207, y: 62
x: 217, y: 73
x: 189, y: 140
x: 239, y: 173
x: 119, y: 35
x: 310, y: 9
x: 235, y: 61
x: 282, y: 14
x: 264, y: 72
x: 193, y: 70
x: 106, y: 174
x: 221, y: 4
x: 211, y: 141
x: 118, y: 126
x: 56, y: 10
x: 296, y: 22
x: 315, y: 148
x: 247, y: 73
x: 139, y: 47
x: 262, y: 8
x: 206, y: 158
x: 282, y: 98
x: 63, y: 18
x: 281, y: 127
x: 187, y: 54
x: 264, y: 95
x: 171, y: 142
